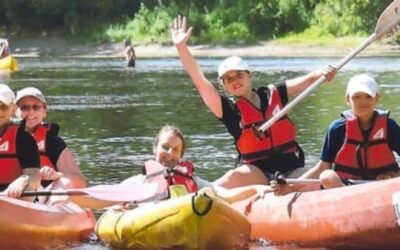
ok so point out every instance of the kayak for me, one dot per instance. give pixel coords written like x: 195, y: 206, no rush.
x: 27, y: 225
x: 362, y: 216
x: 8, y: 63
x: 193, y: 221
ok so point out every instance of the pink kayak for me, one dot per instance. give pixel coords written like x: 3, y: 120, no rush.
x: 27, y: 225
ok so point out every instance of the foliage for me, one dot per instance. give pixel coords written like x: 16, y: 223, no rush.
x: 147, y: 26
x: 346, y: 17
x: 76, y: 16
x: 214, y: 21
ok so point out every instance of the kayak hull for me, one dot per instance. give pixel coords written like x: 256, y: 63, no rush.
x: 354, y: 216
x: 27, y: 225
x: 8, y: 63
x: 194, y: 221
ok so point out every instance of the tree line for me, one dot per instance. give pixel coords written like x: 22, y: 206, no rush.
x: 215, y: 21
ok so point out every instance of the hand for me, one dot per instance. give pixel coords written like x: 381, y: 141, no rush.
x: 275, y: 186
x: 179, y: 32
x: 48, y: 173
x: 15, y: 189
x: 279, y: 186
x: 61, y: 199
x: 329, y: 72
x: 276, y: 182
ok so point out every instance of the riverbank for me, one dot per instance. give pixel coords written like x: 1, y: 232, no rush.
x: 61, y: 47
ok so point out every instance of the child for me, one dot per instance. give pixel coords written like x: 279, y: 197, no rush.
x: 277, y: 150
x: 360, y: 144
x: 19, y: 156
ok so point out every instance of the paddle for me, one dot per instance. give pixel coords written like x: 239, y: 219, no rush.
x: 117, y: 193
x: 388, y: 24
x: 307, y: 181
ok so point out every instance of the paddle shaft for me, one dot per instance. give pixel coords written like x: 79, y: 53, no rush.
x: 117, y: 193
x: 372, y: 38
x: 53, y: 192
x: 307, y: 181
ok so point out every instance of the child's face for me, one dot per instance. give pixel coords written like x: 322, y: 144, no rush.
x: 168, y: 150
x: 236, y: 82
x: 6, y: 113
x: 33, y: 110
x: 362, y: 104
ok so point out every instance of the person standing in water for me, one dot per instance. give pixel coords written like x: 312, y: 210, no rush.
x: 129, y: 53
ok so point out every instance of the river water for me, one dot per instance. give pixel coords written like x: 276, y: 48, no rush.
x: 109, y: 114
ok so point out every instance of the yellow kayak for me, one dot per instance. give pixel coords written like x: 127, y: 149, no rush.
x: 8, y: 63
x: 193, y: 221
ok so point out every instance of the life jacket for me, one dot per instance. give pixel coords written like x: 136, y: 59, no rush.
x: 361, y: 158
x: 40, y: 137
x: 10, y: 168
x: 279, y: 138
x: 182, y: 174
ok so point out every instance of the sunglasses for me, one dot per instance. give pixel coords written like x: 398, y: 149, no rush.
x: 29, y: 107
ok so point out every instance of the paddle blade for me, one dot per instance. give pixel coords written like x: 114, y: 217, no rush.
x: 120, y: 193
x: 389, y: 21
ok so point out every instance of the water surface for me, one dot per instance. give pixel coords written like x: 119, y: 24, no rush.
x: 110, y: 114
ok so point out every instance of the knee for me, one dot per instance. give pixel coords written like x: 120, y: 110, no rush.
x: 231, y: 179
x: 230, y: 176
x: 330, y: 179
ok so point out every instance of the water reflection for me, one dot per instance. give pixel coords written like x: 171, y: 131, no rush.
x: 109, y: 114
x: 280, y: 64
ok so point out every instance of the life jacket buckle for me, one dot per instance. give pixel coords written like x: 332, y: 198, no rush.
x: 259, y: 134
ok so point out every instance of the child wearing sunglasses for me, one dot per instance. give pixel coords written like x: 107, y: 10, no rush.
x: 58, y: 166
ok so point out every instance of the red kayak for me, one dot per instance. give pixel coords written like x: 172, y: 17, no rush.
x: 27, y: 225
x: 364, y: 215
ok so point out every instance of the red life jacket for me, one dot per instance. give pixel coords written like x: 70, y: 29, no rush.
x: 182, y: 174
x: 10, y: 168
x: 279, y: 138
x: 40, y: 138
x: 365, y: 159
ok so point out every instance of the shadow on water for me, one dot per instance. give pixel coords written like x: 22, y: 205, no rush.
x: 109, y: 114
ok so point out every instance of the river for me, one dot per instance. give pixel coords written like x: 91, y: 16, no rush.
x: 109, y: 114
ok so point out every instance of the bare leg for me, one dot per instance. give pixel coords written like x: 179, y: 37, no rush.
x: 242, y: 176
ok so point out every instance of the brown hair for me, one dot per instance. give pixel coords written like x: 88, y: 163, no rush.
x: 176, y: 131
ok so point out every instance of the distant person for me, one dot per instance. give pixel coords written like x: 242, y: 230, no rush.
x: 7, y: 62
x: 4, y: 48
x: 58, y: 166
x: 277, y: 150
x: 19, y: 155
x: 129, y: 53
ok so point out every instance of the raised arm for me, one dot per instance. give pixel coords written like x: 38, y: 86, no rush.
x: 180, y: 35
x: 297, y: 85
